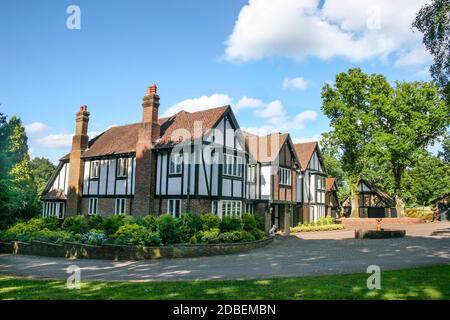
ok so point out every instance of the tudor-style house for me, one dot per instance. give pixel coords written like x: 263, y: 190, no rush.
x: 331, y: 198
x: 311, y: 183
x: 271, y: 178
x: 187, y: 162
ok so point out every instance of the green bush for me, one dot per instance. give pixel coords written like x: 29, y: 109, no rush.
x: 227, y: 237
x: 94, y: 237
x: 209, y: 236
x: 324, y: 221
x: 193, y: 240
x: 249, y: 222
x: 51, y: 223
x: 259, y: 219
x: 258, y: 234
x: 75, y: 224
x: 113, y: 223
x: 244, y: 236
x: 132, y: 234
x: 168, y: 229
x: 312, y: 228
x: 189, y: 224
x: 96, y: 222
x: 209, y: 221
x: 52, y: 236
x: 424, y: 215
x: 230, y: 223
x: 27, y: 231
x: 149, y: 222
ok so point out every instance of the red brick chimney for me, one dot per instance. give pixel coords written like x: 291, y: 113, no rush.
x: 80, y: 143
x: 149, y: 133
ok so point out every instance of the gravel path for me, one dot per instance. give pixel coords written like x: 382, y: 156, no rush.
x: 309, y: 254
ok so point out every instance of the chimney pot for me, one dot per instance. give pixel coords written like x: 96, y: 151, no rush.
x: 152, y: 89
x: 83, y: 108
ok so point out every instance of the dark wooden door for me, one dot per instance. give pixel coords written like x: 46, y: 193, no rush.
x: 376, y: 213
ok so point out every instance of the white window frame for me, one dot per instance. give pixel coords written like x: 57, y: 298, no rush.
x: 122, y: 168
x: 215, y: 207
x: 61, y: 211
x: 176, y: 163
x: 172, y: 207
x: 230, y: 208
x: 251, y: 173
x: 93, y: 206
x: 121, y: 206
x: 95, y: 169
x: 232, y: 165
x: 285, y: 176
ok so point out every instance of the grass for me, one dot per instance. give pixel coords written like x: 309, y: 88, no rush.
x: 422, y: 283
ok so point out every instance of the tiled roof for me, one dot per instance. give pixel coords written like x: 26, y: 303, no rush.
x: 383, y: 195
x: 329, y: 182
x: 262, y: 148
x: 305, y: 152
x: 56, y: 194
x: 123, y: 139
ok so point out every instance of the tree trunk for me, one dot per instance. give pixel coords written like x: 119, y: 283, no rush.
x: 399, y: 201
x: 355, y: 199
x: 400, y: 206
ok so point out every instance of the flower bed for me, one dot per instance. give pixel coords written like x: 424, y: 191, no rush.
x: 323, y: 224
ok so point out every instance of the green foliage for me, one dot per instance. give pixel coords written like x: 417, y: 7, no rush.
x: 189, y: 224
x: 149, y: 222
x: 315, y: 228
x: 230, y: 223
x: 41, y: 169
x: 433, y: 21
x: 323, y: 221
x: 209, y: 236
x: 168, y: 229
x: 51, y: 223
x: 75, y: 225
x: 243, y: 236
x: 227, y: 237
x: 132, y: 234
x: 209, y: 221
x: 425, y: 215
x: 113, y: 223
x: 96, y: 222
x: 258, y: 234
x: 249, y: 222
x: 260, y: 224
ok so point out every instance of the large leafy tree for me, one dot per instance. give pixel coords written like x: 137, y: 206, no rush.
x: 41, y: 169
x: 410, y: 117
x: 444, y: 154
x: 433, y: 20
x: 346, y: 104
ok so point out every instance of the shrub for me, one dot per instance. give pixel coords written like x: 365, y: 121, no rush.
x: 193, y: 240
x: 51, y: 223
x: 209, y: 221
x: 227, y: 237
x: 24, y: 231
x: 312, y: 228
x: 188, y: 225
x: 230, y: 223
x: 209, y: 236
x: 168, y: 229
x: 59, y: 237
x: 244, y: 236
x: 134, y: 234
x: 149, y: 222
x: 95, y: 222
x: 424, y: 215
x: 324, y: 221
x: 94, y: 237
x: 259, y: 219
x: 113, y: 223
x: 258, y: 234
x: 75, y: 224
x: 249, y: 222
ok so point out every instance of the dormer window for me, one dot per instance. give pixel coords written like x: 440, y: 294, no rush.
x: 95, y: 169
x: 176, y: 162
x: 122, y: 167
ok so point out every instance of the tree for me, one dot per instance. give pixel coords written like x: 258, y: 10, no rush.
x: 346, y: 104
x: 41, y: 169
x: 444, y: 154
x: 433, y: 20
x: 410, y: 117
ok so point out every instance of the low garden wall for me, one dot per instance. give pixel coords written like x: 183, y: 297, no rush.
x: 116, y: 252
x: 364, y: 223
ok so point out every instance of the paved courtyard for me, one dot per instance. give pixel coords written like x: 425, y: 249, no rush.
x: 307, y: 254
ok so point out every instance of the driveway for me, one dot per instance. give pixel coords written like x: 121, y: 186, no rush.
x: 308, y: 254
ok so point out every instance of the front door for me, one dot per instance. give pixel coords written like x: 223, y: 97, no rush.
x: 376, y: 212
x: 276, y: 217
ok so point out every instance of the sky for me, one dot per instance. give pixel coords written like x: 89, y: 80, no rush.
x: 268, y: 59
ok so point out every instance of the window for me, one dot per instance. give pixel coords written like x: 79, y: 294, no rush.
x: 53, y: 209
x: 232, y: 165
x: 231, y: 208
x: 214, y: 207
x: 60, y: 214
x: 120, y: 206
x: 284, y: 176
x: 251, y: 174
x: 176, y: 161
x: 93, y: 205
x: 122, y: 167
x: 173, y: 207
x: 95, y: 169
x: 320, y: 183
x: 249, y: 208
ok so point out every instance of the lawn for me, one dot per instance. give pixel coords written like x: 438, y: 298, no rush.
x: 421, y: 283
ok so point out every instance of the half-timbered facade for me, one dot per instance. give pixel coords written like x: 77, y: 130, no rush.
x: 311, y: 183
x: 331, y: 198
x: 373, y: 202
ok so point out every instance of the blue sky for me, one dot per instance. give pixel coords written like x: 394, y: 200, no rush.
x: 269, y: 59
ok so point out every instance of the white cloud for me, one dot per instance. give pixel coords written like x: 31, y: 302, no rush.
x: 60, y: 141
x: 302, y: 118
x: 413, y: 57
x: 298, y: 83
x: 36, y: 127
x: 317, y: 137
x: 353, y: 29
x: 273, y: 110
x: 246, y: 102
x: 201, y: 103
